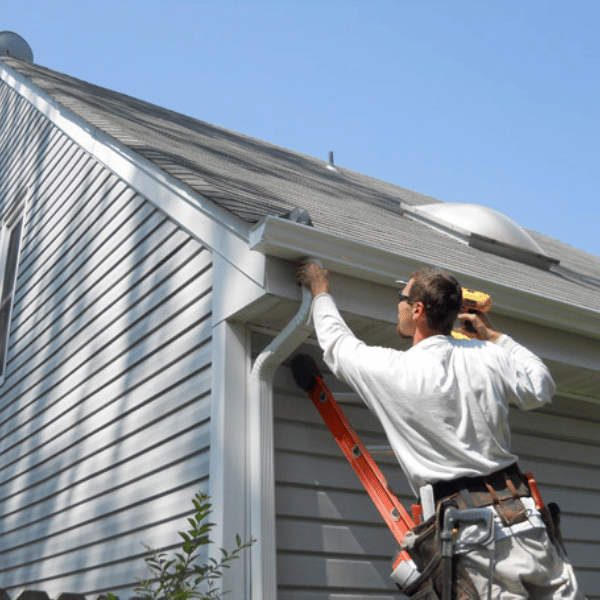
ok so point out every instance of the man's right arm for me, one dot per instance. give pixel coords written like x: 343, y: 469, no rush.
x: 335, y: 338
x: 485, y: 331
x: 531, y: 379
x: 330, y: 327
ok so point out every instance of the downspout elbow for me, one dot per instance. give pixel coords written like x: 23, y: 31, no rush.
x: 288, y: 339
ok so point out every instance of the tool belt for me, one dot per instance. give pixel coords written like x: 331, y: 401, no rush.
x: 423, y: 545
x: 502, y: 489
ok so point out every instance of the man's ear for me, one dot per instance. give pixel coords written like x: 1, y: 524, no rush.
x: 418, y: 308
x: 418, y: 311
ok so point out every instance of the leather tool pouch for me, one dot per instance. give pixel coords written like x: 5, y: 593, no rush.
x: 551, y: 516
x: 425, y: 591
x: 502, y: 491
x: 423, y: 545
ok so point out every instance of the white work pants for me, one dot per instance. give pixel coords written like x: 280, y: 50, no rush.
x: 527, y: 566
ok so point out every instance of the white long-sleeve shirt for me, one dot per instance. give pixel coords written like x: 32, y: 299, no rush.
x: 443, y: 403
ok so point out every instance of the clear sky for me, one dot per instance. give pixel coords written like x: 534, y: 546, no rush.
x: 481, y: 101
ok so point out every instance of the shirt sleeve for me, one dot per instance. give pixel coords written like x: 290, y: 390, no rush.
x: 349, y: 358
x: 533, y: 385
x: 331, y: 332
x: 528, y: 381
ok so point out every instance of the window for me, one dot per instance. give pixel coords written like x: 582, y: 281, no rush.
x: 10, y: 247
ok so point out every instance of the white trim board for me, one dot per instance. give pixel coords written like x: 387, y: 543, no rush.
x: 221, y: 231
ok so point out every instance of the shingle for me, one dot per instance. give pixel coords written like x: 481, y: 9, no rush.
x: 253, y: 179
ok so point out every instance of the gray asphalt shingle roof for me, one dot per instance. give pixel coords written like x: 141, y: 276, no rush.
x: 253, y: 179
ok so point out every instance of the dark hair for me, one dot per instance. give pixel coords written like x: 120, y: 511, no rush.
x: 441, y: 295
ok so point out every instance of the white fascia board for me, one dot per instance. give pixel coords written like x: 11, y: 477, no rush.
x: 218, y: 229
x: 292, y: 241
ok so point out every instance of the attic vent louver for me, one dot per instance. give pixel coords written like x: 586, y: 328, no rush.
x: 12, y: 44
x: 485, y: 229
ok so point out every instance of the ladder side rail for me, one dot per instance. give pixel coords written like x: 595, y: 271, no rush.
x: 391, y: 509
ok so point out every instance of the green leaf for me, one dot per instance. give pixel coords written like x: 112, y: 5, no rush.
x: 181, y: 577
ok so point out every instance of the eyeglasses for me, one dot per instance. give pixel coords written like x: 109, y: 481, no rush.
x: 403, y: 298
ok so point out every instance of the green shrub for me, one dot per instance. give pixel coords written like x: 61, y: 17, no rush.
x: 180, y: 577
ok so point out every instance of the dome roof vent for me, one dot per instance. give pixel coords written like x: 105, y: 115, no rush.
x: 12, y: 44
x: 484, y: 228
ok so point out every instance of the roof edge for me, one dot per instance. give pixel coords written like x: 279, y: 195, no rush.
x: 194, y: 213
x: 291, y: 241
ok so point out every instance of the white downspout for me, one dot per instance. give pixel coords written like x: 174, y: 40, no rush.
x: 261, y: 456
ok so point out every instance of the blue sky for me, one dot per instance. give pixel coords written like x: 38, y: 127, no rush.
x: 494, y: 103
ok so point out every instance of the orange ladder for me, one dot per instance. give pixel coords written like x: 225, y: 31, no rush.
x: 308, y: 377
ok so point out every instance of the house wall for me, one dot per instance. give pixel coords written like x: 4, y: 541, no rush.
x: 332, y: 543
x: 105, y: 410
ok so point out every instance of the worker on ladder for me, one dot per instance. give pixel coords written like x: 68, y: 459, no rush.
x: 444, y: 407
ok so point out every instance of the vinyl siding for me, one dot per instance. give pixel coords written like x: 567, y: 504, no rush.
x: 332, y: 543
x: 105, y: 410
x: 560, y: 446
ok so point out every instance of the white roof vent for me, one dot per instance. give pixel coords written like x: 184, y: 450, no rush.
x: 485, y: 229
x: 12, y: 44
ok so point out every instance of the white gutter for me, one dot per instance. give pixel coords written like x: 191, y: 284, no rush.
x: 288, y: 240
x: 263, y: 561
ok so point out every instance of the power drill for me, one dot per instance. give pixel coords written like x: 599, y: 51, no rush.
x: 474, y: 302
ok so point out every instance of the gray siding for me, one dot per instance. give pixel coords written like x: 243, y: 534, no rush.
x: 560, y: 445
x: 332, y: 543
x: 104, y: 414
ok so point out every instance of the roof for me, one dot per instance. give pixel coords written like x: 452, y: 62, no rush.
x: 253, y: 179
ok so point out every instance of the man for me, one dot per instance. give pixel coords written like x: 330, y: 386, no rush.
x: 444, y: 407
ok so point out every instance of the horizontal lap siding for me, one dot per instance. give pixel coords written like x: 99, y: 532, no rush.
x: 104, y: 414
x: 332, y: 543
x: 561, y: 446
